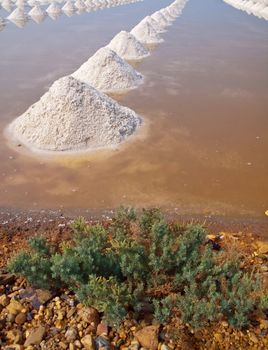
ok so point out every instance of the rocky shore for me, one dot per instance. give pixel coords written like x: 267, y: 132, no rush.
x: 44, y: 319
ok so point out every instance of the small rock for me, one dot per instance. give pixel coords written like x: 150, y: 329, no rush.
x: 13, y: 347
x: 71, y: 335
x: 148, y: 337
x: 43, y: 295
x: 77, y: 344
x: 71, y: 312
x: 36, y: 297
x: 88, y: 342
x: 21, y: 318
x: 10, y: 318
x: 134, y: 345
x: 263, y: 324
x: 14, y: 307
x: 218, y: 337
x: 35, y: 337
x: 253, y: 338
x: 89, y: 315
x: 102, y: 328
x: 164, y: 347
x: 4, y: 300
x: 102, y: 344
x: 14, y: 336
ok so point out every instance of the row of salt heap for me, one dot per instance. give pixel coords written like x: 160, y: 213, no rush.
x: 75, y: 114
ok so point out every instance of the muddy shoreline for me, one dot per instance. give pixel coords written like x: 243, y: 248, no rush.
x: 19, y: 220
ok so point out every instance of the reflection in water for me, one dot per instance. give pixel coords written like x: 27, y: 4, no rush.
x: 2, y: 24
x: 38, y: 14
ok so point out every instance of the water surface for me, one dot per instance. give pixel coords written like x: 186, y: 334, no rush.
x: 204, y: 103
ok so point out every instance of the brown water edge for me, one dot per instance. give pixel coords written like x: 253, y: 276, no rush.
x: 33, y: 222
x: 205, y: 151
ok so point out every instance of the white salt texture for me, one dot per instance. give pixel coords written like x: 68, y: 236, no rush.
x: 146, y: 34
x: 69, y: 7
x: 73, y: 116
x: 161, y: 19
x: 128, y: 47
x: 155, y: 24
x: 108, y: 72
x: 37, y: 12
x: 17, y: 14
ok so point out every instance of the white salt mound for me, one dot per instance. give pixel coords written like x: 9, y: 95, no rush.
x: 69, y: 7
x: 37, y: 11
x: 73, y: 116
x: 80, y: 5
x: 108, y: 72
x: 7, y: 5
x: 146, y: 34
x: 161, y: 19
x: 167, y: 15
x: 128, y: 47
x: 155, y: 24
x: 18, y: 14
x: 53, y: 9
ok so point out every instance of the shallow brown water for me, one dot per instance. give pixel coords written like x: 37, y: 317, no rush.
x: 204, y: 102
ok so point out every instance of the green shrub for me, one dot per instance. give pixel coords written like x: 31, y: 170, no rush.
x: 163, y: 309
x: 34, y: 265
x: 264, y: 302
x: 120, y: 266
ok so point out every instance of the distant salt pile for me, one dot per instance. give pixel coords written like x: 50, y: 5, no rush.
x: 73, y: 116
x: 108, y: 72
x: 20, y: 3
x: 18, y: 14
x: 156, y: 26
x: 54, y: 11
x: 69, y: 8
x: 167, y: 15
x: 128, y: 47
x: 80, y: 5
x: 7, y: 5
x: 146, y: 34
x: 161, y: 19
x: 37, y: 14
x: 258, y: 8
x: 53, y: 8
x: 89, y: 5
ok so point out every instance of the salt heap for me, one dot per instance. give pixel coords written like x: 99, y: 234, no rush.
x: 156, y: 26
x: 69, y: 8
x: 128, y: 47
x: 37, y: 14
x: 80, y: 5
x: 161, y: 19
x: 53, y: 8
x: 167, y: 15
x: 146, y: 33
x: 7, y: 5
x: 18, y: 15
x: 20, y: 3
x: 73, y: 116
x: 108, y: 72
